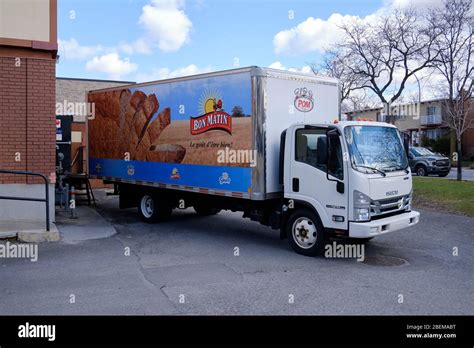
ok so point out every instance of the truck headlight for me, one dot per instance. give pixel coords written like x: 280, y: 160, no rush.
x: 361, y: 206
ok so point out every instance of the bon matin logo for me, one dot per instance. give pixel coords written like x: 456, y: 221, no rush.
x: 213, y: 116
x: 304, y: 100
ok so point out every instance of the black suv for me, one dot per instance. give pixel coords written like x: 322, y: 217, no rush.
x: 424, y: 162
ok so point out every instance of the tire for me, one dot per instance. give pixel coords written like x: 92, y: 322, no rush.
x: 152, y: 209
x: 421, y: 170
x: 203, y: 210
x: 311, y: 242
x: 442, y: 175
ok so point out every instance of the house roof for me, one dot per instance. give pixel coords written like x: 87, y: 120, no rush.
x: 400, y: 104
x: 94, y: 80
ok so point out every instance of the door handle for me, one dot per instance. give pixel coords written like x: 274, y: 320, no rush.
x: 296, y: 185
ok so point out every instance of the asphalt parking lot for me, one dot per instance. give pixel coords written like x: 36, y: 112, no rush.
x: 189, y: 266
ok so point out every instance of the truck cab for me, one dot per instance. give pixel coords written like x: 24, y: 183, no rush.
x: 347, y: 179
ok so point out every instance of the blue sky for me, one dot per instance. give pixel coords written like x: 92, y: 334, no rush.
x: 233, y: 90
x: 142, y: 40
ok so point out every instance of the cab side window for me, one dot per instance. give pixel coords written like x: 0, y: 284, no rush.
x: 307, y: 146
x: 307, y: 151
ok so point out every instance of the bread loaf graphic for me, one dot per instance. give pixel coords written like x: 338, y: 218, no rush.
x: 166, y: 153
x: 127, y: 123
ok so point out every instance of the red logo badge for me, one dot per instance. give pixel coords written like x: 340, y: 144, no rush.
x: 304, y: 101
x: 214, y: 118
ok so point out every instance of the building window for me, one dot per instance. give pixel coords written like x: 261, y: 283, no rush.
x: 431, y: 110
x: 433, y: 133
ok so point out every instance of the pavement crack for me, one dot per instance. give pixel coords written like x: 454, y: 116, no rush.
x: 141, y: 269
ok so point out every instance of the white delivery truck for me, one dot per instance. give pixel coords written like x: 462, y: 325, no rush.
x: 261, y: 141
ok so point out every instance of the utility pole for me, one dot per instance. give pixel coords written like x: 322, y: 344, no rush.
x: 419, y: 110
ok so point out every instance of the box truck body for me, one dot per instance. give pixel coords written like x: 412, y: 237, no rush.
x: 261, y: 141
x: 228, y: 149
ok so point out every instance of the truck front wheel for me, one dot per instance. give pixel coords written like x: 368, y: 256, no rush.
x: 152, y: 209
x: 305, y: 233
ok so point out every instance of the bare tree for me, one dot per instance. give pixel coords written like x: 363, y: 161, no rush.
x: 454, y: 60
x: 383, y: 55
x: 334, y: 65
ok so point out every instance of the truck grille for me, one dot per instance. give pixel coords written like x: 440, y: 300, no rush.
x: 442, y: 163
x: 389, y: 205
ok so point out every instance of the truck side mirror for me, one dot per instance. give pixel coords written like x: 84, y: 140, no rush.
x: 322, y: 152
x: 332, y: 140
x: 333, y: 153
x: 406, y: 143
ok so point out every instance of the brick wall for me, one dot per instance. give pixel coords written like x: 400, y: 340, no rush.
x: 76, y: 90
x: 27, y: 117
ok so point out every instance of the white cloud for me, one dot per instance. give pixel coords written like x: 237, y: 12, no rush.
x: 306, y: 69
x: 421, y: 5
x: 166, y: 73
x: 277, y: 65
x: 71, y: 49
x: 310, y: 35
x: 167, y: 27
x: 166, y: 24
x: 316, y: 34
x: 139, y: 46
x: 112, y: 65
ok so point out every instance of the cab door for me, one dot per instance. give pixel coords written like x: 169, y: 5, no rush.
x: 310, y: 179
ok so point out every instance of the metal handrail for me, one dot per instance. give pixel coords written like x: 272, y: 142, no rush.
x: 46, y: 199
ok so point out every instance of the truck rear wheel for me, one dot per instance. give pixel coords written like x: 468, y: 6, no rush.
x: 305, y: 233
x: 152, y: 209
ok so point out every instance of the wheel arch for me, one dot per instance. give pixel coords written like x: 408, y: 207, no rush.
x: 298, y: 204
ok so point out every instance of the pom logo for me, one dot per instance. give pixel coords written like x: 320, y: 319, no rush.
x: 304, y: 100
x: 213, y: 116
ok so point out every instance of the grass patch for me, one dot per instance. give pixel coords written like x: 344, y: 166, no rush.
x: 444, y: 195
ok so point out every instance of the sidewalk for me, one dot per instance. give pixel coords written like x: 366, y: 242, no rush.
x: 30, y: 232
x: 88, y: 225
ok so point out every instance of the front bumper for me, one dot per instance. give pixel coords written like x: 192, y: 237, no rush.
x: 437, y: 170
x: 382, y: 226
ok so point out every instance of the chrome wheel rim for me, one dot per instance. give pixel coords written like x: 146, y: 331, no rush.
x: 147, y: 206
x: 304, y: 232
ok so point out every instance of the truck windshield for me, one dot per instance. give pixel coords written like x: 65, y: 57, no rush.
x: 375, y: 149
x: 422, y: 151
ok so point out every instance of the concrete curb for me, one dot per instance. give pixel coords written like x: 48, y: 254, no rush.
x: 31, y: 235
x: 38, y: 236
